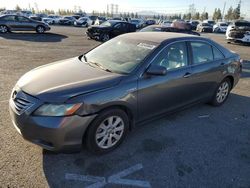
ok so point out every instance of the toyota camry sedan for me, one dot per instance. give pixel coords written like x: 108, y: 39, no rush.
x: 97, y: 98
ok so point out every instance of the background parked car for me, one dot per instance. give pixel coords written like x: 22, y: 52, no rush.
x: 110, y: 29
x: 21, y: 23
x: 55, y: 18
x: 150, y: 22
x: 93, y: 18
x: 83, y: 21
x: 210, y: 22
x: 160, y: 28
x: 137, y: 22
x: 48, y: 20
x: 100, y: 20
x: 37, y: 18
x: 239, y: 31
x: 194, y: 24
x: 204, y: 27
x: 67, y: 20
x: 220, y: 27
x: 166, y: 23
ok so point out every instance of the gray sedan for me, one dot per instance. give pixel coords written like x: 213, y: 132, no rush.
x: 21, y: 23
x: 97, y: 98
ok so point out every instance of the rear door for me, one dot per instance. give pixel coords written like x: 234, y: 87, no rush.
x: 117, y: 29
x: 10, y: 21
x: 207, y: 68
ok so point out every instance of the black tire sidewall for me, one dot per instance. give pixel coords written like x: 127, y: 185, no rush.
x: 6, y: 28
x: 214, y: 99
x: 38, y: 27
x: 91, y: 132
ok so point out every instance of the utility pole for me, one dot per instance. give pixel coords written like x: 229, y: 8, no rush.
x: 223, y: 12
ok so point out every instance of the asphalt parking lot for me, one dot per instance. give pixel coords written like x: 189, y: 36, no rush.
x: 202, y: 146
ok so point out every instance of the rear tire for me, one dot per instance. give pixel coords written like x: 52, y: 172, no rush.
x: 107, y: 131
x: 40, y: 29
x: 222, y: 92
x: 4, y: 29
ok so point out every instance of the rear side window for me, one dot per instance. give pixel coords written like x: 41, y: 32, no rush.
x: 202, y: 52
x: 217, y: 54
x: 8, y: 18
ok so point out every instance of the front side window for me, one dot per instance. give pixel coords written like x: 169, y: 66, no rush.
x: 8, y: 18
x: 173, y: 57
x: 202, y: 52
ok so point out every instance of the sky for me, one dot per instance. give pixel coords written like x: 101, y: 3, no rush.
x: 161, y: 6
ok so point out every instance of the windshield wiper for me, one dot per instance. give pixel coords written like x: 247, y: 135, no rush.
x: 99, y: 65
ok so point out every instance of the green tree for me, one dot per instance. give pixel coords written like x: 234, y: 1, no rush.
x: 196, y: 16
x: 229, y: 15
x: 132, y: 15
x: 136, y: 15
x: 18, y: 8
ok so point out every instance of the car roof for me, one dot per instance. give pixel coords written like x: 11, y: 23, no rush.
x: 157, y: 37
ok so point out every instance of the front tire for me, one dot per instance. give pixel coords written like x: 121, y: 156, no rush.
x: 105, y: 37
x: 107, y: 131
x: 3, y: 29
x: 40, y: 29
x: 222, y: 92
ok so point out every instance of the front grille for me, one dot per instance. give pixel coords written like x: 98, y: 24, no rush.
x: 235, y: 34
x: 21, y: 104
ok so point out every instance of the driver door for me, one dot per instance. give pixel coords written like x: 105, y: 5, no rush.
x: 162, y: 93
x: 24, y: 24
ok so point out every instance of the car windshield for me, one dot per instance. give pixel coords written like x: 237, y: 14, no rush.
x: 120, y: 55
x: 135, y: 21
x: 223, y: 24
x: 242, y: 24
x: 83, y: 19
x: 205, y: 24
x: 107, y: 23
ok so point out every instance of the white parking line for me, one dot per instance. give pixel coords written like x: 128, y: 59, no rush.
x: 99, y: 182
x: 116, y: 178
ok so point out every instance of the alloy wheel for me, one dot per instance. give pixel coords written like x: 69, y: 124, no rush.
x: 3, y: 29
x: 222, y: 92
x: 40, y: 29
x: 109, y: 132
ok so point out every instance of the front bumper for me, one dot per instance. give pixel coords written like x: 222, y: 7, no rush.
x: 93, y: 35
x: 51, y: 133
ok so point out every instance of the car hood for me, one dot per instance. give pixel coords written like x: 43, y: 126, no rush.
x: 100, y: 27
x: 59, y: 81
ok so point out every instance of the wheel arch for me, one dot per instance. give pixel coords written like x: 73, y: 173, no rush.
x: 231, y: 78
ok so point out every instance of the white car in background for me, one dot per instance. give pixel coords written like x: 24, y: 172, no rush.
x: 238, y: 31
x: 55, y: 18
x: 48, y: 20
x: 220, y: 27
x: 83, y: 21
x: 166, y: 23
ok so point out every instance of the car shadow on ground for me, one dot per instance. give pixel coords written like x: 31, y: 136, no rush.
x: 245, y: 69
x: 202, y: 145
x: 33, y: 37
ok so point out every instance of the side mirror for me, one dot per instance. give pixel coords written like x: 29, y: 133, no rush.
x: 156, y: 70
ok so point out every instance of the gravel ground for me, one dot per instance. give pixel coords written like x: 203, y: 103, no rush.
x: 202, y: 146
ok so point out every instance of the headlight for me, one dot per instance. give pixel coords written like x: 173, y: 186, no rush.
x: 57, y: 110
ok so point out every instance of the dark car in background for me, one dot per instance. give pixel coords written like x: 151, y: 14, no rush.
x: 160, y: 28
x: 110, y: 29
x: 129, y: 79
x: 37, y: 18
x: 67, y: 20
x: 194, y: 24
x: 83, y: 21
x: 150, y: 22
x: 204, y: 27
x: 21, y: 23
x: 93, y: 18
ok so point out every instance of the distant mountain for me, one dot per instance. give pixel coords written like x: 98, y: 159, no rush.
x: 148, y: 12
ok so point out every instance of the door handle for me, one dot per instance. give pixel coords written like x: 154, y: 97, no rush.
x: 187, y: 75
